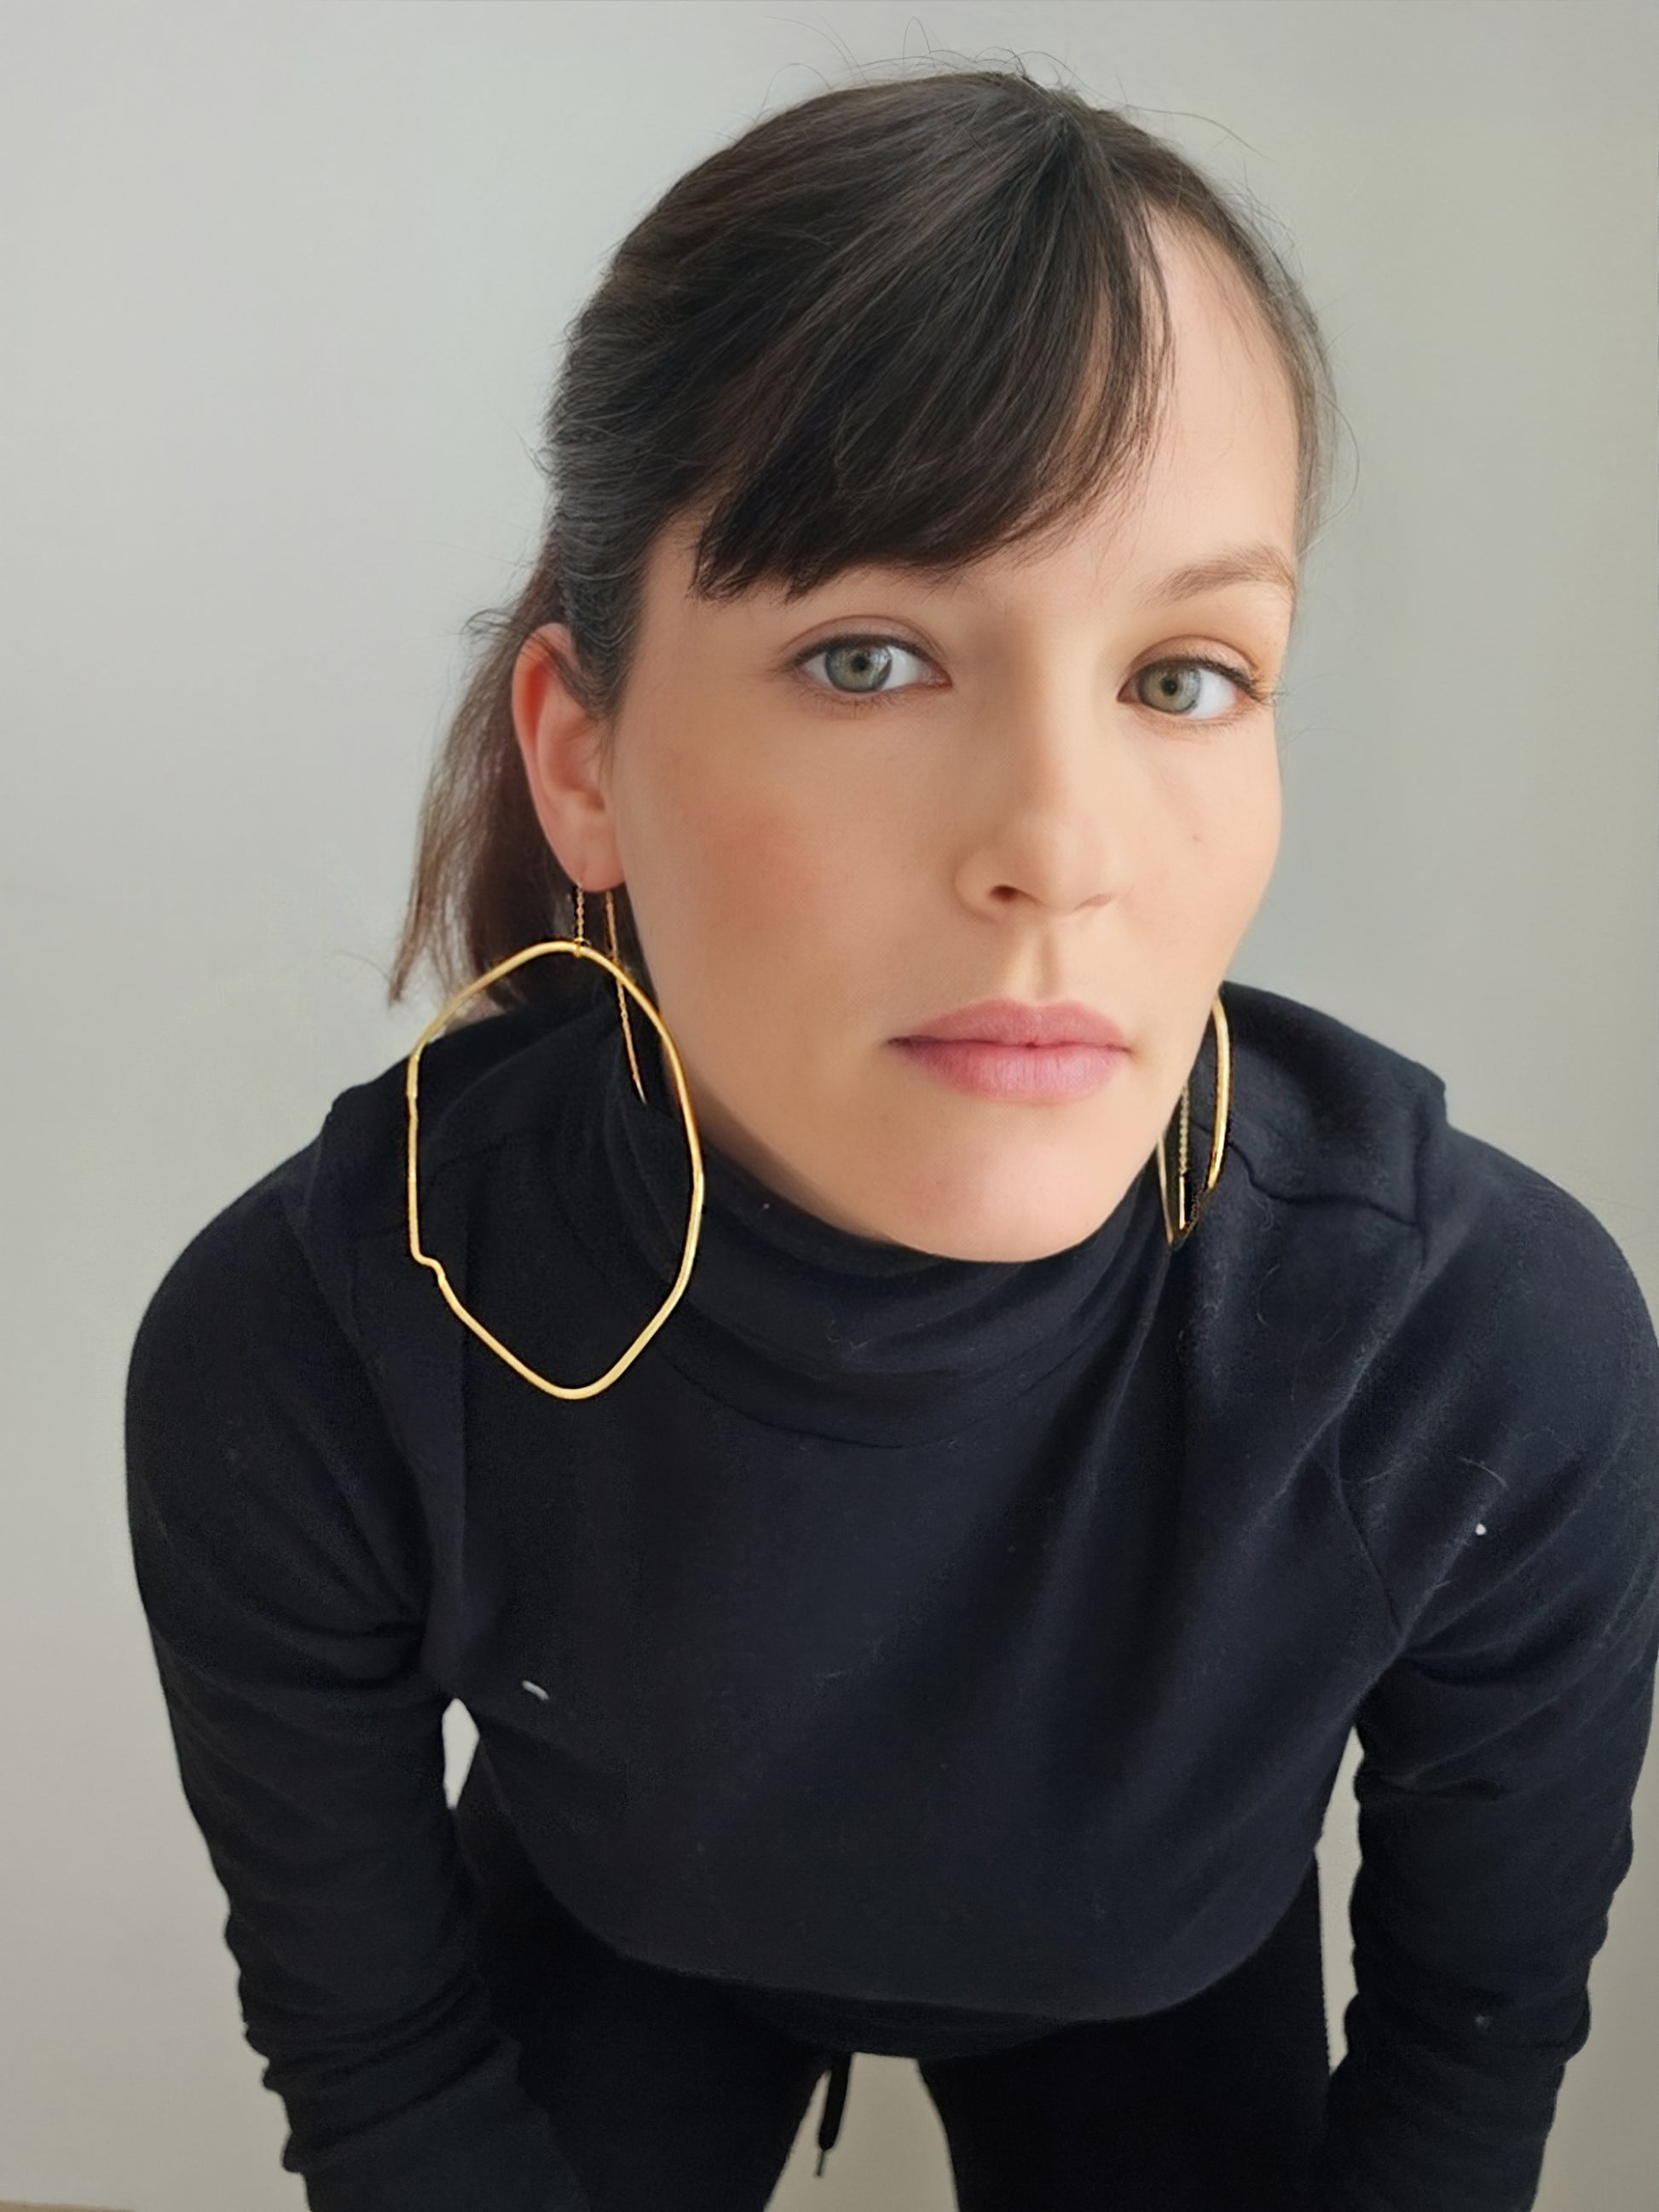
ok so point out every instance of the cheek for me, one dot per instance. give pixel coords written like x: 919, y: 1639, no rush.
x: 1261, y: 819
x: 766, y: 897
x: 1233, y: 822
x: 1243, y: 862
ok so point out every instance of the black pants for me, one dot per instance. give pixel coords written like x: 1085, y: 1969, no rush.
x: 671, y: 2094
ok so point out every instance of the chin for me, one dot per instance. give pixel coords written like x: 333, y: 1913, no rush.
x: 1005, y: 1228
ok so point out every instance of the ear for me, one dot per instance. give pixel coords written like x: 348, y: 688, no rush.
x: 559, y: 741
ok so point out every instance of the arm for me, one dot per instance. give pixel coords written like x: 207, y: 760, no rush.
x: 1501, y: 1749
x: 279, y: 1562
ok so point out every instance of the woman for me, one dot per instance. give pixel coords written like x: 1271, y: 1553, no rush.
x: 914, y: 1426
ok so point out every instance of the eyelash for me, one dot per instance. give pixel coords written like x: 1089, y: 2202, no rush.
x: 1260, y: 695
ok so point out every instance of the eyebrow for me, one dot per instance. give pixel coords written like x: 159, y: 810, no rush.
x: 1260, y: 563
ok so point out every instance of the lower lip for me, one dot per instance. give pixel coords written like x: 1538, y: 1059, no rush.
x: 1018, y: 1071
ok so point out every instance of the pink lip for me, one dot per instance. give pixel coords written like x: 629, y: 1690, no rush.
x: 1023, y: 1073
x: 1015, y: 1022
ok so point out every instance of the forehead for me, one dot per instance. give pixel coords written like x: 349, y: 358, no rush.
x: 1228, y: 396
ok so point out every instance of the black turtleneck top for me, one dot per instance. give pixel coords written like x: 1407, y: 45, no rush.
x: 933, y: 1638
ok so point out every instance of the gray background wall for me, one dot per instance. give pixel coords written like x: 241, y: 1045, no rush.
x: 283, y: 287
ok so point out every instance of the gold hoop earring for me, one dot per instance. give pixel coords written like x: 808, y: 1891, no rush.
x: 1178, y: 1227
x: 582, y: 950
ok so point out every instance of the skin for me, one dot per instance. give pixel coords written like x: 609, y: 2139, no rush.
x: 1029, y: 809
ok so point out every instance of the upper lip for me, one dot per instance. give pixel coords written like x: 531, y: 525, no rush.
x: 1015, y: 1021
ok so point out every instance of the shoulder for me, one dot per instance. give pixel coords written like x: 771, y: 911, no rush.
x: 1460, y: 1272
x: 1490, y: 1357
x: 244, y: 1348
x: 1323, y: 1111
x: 280, y: 1255
x: 264, y: 1480
x: 474, y: 1087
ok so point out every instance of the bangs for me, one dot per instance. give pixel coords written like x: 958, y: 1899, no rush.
x: 952, y: 344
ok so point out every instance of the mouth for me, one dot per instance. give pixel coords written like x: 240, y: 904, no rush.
x: 1015, y: 1022
x: 1016, y: 1073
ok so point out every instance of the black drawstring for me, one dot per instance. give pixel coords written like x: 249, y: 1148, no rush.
x: 835, y: 2104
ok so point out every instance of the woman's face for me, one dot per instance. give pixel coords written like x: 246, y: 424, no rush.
x: 1030, y: 805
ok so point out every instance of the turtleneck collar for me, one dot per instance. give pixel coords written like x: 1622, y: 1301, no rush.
x: 804, y: 1324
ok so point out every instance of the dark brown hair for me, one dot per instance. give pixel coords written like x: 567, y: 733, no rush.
x: 908, y: 322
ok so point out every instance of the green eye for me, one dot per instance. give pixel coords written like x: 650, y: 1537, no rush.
x: 860, y: 657
x: 1168, y: 672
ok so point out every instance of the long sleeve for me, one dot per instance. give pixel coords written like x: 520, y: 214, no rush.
x: 280, y: 1565
x: 1501, y: 1749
